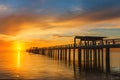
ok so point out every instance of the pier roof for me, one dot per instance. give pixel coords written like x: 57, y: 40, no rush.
x: 89, y: 38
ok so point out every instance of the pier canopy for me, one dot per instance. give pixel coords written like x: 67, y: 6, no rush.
x: 88, y: 40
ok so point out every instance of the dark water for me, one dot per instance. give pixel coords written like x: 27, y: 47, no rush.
x: 22, y: 65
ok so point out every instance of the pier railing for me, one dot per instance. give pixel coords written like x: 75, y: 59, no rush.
x: 105, y: 43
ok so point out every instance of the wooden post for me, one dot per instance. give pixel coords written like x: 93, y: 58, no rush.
x: 98, y: 58
x: 50, y: 52
x: 90, y: 58
x: 79, y: 57
x: 65, y: 54
x: 58, y: 54
x: 87, y: 59
x: 74, y: 53
x: 108, y: 60
x: 84, y: 57
x: 95, y: 58
x: 69, y: 54
x: 102, y: 59
x: 53, y: 53
x: 74, y: 49
x: 61, y: 54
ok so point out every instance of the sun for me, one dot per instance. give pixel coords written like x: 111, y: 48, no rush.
x: 18, y: 47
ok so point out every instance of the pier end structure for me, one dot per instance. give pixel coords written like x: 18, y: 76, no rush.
x: 88, y: 40
x: 92, y: 55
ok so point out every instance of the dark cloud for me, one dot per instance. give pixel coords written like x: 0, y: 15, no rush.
x: 91, y: 16
x: 99, y: 4
x: 108, y: 14
x: 93, y: 10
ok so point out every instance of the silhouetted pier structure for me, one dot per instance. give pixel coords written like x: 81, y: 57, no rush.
x: 93, y: 53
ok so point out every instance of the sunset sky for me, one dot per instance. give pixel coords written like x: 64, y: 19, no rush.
x: 26, y: 23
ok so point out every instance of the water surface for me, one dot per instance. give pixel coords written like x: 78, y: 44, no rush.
x: 22, y: 65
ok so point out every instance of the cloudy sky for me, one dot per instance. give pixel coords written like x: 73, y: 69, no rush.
x: 51, y: 22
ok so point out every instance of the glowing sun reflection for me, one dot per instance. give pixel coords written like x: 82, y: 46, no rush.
x: 18, y: 59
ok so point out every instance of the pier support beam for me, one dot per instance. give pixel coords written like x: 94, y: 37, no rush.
x: 98, y: 58
x: 108, y: 60
x: 69, y: 54
x: 90, y: 58
x: 87, y: 59
x: 84, y: 57
x: 95, y: 59
x: 58, y: 54
x: 79, y: 57
x: 102, y: 59
x: 61, y: 54
x: 74, y: 54
x: 52, y: 53
x: 65, y: 54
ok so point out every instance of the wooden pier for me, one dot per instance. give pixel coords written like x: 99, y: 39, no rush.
x: 93, y: 53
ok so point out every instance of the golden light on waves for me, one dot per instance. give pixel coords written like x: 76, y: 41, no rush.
x: 18, y: 59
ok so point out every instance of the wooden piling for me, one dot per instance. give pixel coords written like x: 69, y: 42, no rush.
x: 69, y: 54
x: 87, y: 59
x: 74, y: 54
x: 58, y: 54
x: 95, y: 58
x: 91, y: 59
x: 98, y: 58
x: 79, y: 57
x: 102, y: 63
x: 84, y: 57
x: 108, y: 60
x: 65, y: 54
